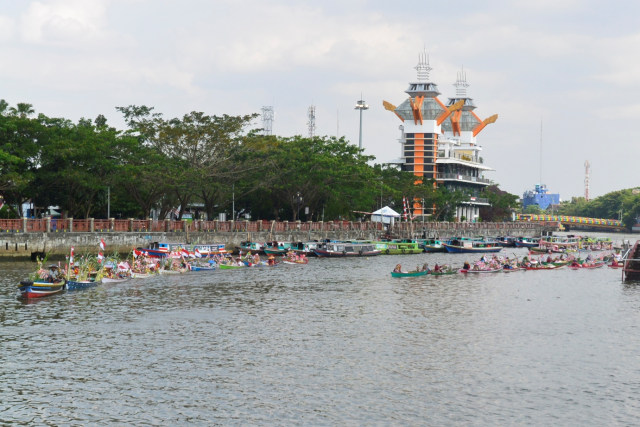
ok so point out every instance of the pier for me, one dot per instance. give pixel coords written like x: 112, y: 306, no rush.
x: 36, y: 237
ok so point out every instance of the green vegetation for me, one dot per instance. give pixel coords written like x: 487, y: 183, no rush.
x: 624, y: 204
x: 218, y: 163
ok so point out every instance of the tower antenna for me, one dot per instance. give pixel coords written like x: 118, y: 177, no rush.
x: 587, y: 172
x: 311, y: 122
x: 267, y: 120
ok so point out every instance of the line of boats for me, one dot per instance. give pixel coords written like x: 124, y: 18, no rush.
x: 497, y: 264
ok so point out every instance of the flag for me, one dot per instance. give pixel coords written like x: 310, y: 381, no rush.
x: 136, y: 253
x: 71, y: 258
x: 100, y: 257
x: 197, y: 253
x: 102, y: 245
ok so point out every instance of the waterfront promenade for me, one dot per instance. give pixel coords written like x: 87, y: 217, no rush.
x: 29, y: 237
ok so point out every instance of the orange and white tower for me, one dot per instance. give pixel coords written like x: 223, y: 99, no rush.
x: 439, y: 141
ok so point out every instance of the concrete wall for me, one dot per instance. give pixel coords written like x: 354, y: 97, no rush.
x: 23, y: 245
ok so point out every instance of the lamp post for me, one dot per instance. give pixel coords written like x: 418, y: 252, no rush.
x: 361, y: 105
x: 298, y: 201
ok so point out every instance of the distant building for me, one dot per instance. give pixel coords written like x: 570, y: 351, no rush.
x: 539, y: 196
x: 438, y: 141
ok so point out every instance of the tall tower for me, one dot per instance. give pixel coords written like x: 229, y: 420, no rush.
x: 587, y: 172
x: 311, y: 120
x: 267, y: 120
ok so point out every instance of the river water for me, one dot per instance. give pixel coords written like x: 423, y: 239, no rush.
x: 335, y: 342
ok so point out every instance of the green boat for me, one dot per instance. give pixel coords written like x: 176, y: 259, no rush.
x: 409, y: 273
x: 230, y: 267
x: 399, y: 247
x: 444, y: 273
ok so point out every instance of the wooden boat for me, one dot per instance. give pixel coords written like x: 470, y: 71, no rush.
x: 161, y: 250
x: 490, y: 270
x: 471, y: 246
x: 583, y: 266
x: 543, y: 267
x: 209, y: 249
x: 342, y: 249
x: 74, y: 284
x: 253, y: 247
x: 39, y: 289
x: 527, y: 242
x: 277, y: 248
x: 398, y: 247
x: 443, y: 272
x: 631, y: 269
x: 409, y: 273
x: 506, y: 241
x: 295, y: 261
x: 135, y: 275
x: 230, y: 267
x: 432, y: 245
x: 511, y: 269
x: 615, y: 266
x: 202, y: 268
x: 115, y: 279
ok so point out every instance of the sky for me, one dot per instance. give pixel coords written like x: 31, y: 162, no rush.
x: 563, y: 76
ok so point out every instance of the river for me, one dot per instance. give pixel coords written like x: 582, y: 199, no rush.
x: 334, y: 342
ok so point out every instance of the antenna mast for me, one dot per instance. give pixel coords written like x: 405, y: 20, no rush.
x: 587, y: 172
x: 311, y: 122
x: 267, y: 120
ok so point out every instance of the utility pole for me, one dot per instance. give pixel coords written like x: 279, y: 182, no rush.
x: 361, y: 105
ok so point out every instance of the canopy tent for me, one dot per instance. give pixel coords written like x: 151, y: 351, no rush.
x: 385, y: 215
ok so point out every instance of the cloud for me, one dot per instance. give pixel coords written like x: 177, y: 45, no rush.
x: 69, y: 23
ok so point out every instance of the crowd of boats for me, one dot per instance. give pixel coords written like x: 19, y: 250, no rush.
x: 171, y: 258
x: 496, y: 264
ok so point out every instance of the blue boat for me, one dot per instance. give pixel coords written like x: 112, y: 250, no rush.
x: 77, y: 285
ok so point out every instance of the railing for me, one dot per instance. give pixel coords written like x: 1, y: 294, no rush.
x: 70, y: 225
x: 461, y: 177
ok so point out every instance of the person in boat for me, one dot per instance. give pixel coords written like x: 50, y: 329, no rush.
x: 398, y: 268
x: 575, y: 263
x: 425, y: 267
x: 549, y: 259
x: 614, y: 262
x: 54, y: 274
x: 466, y: 265
x: 437, y: 269
x: 271, y: 260
x: 256, y: 258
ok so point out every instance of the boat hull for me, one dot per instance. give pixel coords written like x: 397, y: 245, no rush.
x: 409, y: 273
x: 30, y: 289
x: 470, y: 250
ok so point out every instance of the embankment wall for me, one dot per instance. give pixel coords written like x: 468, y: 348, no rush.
x: 58, y: 244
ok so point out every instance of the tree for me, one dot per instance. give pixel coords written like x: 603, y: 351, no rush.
x: 502, y: 205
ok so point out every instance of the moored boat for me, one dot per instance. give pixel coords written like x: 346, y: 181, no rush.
x: 398, y: 247
x: 471, y: 246
x: 346, y: 249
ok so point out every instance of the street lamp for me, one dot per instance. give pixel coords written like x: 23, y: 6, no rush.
x: 361, y: 105
x: 298, y: 201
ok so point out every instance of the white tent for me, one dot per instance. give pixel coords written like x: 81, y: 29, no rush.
x: 385, y: 215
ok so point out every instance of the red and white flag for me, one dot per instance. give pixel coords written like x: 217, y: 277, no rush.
x: 197, y: 253
x: 102, y: 245
x: 71, y: 258
x: 100, y: 257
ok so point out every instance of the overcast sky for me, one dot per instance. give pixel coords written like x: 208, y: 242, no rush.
x: 563, y: 76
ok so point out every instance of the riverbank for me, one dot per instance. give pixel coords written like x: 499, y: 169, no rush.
x: 16, y: 244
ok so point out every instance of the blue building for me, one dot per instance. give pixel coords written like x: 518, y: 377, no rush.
x: 539, y: 197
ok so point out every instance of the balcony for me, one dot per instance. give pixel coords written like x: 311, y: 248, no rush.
x: 464, y: 178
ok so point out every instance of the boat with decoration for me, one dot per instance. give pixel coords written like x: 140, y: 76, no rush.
x: 414, y: 273
x: 39, y: 289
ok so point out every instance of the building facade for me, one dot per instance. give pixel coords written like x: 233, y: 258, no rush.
x: 438, y: 140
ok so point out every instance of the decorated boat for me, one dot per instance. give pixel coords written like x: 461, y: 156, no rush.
x: 77, y: 285
x: 577, y: 266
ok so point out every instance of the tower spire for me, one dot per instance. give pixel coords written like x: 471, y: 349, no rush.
x: 423, y: 68
x: 461, y: 84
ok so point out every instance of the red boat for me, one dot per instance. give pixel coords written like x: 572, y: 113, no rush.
x: 39, y: 289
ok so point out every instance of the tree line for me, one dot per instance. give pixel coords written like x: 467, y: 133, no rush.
x: 208, y: 164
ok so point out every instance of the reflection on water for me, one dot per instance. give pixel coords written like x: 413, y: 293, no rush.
x: 336, y: 341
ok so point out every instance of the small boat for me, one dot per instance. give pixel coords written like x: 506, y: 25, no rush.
x: 432, y: 246
x: 582, y: 266
x: 615, y: 266
x: 399, y: 247
x: 135, y: 275
x: 409, y: 273
x: 543, y: 267
x: 471, y: 246
x: 277, y: 248
x: 115, y: 279
x: 527, y: 242
x: 346, y: 249
x: 202, y: 268
x: 443, y: 272
x: 40, y: 289
x: 74, y: 284
x: 489, y: 270
x: 295, y: 261
x: 230, y: 267
x: 506, y: 241
x: 511, y: 269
